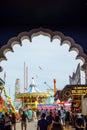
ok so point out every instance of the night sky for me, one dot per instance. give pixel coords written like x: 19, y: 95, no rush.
x: 68, y: 17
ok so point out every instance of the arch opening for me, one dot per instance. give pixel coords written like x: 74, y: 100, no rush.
x: 50, y: 41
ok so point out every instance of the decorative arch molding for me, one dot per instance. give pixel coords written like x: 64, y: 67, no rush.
x: 71, y: 90
x: 46, y: 32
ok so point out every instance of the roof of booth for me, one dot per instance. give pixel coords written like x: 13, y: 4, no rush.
x: 33, y: 88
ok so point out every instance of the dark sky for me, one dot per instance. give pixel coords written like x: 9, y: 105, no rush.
x: 66, y: 16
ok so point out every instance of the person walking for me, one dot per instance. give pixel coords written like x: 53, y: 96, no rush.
x: 2, y: 122
x: 42, y: 124
x: 62, y: 113
x: 79, y: 123
x: 50, y: 119
x: 24, y: 119
x: 57, y: 124
x: 8, y: 124
x: 67, y: 119
x: 13, y: 120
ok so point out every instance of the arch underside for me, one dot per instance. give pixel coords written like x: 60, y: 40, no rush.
x: 46, y: 32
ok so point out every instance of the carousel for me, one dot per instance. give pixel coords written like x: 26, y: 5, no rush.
x: 33, y: 97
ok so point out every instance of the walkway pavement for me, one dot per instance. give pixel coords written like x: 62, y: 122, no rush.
x: 31, y: 126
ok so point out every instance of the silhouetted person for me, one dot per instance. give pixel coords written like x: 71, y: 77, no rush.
x: 2, y: 123
x: 7, y: 121
x: 13, y: 120
x: 42, y: 123
x: 24, y: 118
x: 49, y: 119
x: 57, y: 124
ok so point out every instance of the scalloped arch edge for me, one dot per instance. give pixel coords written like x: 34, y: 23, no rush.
x: 46, y: 32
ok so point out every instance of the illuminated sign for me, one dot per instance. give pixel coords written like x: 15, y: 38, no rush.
x: 79, y: 90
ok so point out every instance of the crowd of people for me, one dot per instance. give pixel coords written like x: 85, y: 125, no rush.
x: 8, y: 121
x: 60, y: 119
x: 56, y: 119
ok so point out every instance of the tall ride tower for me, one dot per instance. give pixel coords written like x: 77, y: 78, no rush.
x: 17, y: 87
x: 55, y: 89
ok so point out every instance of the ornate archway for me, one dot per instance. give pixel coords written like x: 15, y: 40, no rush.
x: 52, y: 35
x: 58, y: 35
